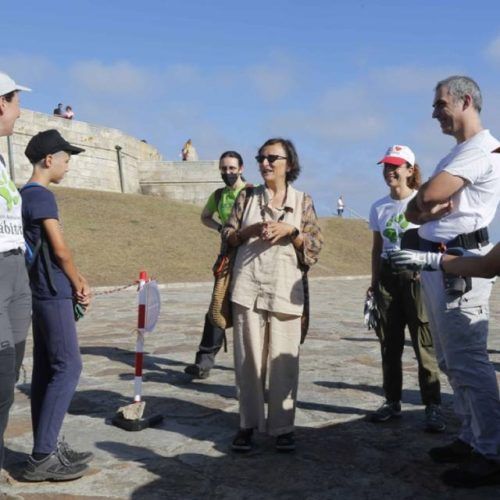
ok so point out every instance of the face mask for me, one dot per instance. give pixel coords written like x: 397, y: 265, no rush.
x: 229, y: 179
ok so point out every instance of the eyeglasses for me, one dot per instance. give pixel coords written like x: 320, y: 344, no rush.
x: 270, y: 158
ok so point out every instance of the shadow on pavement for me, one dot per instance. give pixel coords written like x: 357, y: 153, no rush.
x: 350, y: 460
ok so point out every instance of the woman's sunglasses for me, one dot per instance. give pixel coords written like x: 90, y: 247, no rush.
x: 270, y: 158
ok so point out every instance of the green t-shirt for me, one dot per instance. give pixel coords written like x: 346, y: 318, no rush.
x: 226, y: 203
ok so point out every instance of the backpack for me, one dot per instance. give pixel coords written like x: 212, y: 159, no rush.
x: 218, y: 194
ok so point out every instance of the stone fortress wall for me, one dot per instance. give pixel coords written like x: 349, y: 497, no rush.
x: 143, y: 170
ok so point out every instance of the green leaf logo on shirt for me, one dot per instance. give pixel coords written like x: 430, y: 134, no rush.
x: 395, y: 227
x: 8, y: 191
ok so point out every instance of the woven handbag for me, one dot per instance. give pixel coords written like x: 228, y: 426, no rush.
x: 219, y: 312
x: 304, y: 320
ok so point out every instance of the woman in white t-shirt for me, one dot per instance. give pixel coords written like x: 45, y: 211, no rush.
x: 15, y: 293
x: 398, y: 296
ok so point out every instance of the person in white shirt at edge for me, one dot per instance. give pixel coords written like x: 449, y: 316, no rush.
x: 455, y: 208
x: 397, y: 294
x: 15, y: 294
x: 340, y: 206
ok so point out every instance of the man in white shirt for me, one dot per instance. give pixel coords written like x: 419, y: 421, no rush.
x: 454, y: 209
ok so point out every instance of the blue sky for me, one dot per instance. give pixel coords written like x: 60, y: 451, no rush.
x: 343, y: 79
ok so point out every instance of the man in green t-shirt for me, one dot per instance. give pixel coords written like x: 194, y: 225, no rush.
x: 219, y: 204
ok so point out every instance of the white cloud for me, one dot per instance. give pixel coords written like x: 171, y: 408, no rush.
x: 274, y: 79
x: 270, y: 82
x: 28, y: 69
x: 341, y: 114
x: 492, y: 51
x: 182, y: 74
x: 117, y: 78
x: 410, y: 79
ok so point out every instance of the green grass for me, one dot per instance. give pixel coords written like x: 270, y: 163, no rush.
x: 114, y: 236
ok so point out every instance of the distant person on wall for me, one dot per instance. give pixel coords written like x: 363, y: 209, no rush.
x: 189, y: 152
x: 340, y: 206
x: 59, y: 110
x: 15, y: 296
x: 219, y: 204
x: 69, y: 114
x: 56, y: 287
x: 398, y: 295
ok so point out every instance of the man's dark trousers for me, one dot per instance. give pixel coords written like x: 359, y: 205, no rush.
x: 211, y: 342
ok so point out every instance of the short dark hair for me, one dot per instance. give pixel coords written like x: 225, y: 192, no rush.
x: 291, y: 155
x: 9, y: 96
x: 232, y: 154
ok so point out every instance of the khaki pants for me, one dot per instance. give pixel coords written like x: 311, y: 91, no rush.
x: 400, y: 303
x: 266, y: 341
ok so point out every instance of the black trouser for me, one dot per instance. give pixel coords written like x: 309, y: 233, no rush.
x: 400, y: 303
x: 11, y: 359
x: 211, y: 342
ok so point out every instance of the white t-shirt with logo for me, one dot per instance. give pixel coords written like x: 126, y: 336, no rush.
x: 11, y: 225
x: 475, y: 205
x: 387, y: 216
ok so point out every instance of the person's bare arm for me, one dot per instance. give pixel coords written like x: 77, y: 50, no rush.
x: 62, y: 253
x: 438, y: 190
x: 207, y: 219
x: 486, y: 266
x: 433, y: 199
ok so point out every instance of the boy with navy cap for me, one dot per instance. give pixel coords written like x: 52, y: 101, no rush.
x: 56, y: 286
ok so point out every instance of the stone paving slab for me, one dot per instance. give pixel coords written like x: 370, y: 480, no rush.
x: 339, y: 455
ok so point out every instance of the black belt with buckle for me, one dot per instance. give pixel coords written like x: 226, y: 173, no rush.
x: 14, y: 251
x: 467, y: 241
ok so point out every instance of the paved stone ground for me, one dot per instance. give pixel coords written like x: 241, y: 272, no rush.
x: 339, y: 455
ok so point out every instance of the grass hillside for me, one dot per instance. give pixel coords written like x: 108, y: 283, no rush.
x: 114, y: 236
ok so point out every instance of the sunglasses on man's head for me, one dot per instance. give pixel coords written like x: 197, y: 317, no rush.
x: 270, y: 158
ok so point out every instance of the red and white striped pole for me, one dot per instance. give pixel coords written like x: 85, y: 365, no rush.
x: 139, y: 345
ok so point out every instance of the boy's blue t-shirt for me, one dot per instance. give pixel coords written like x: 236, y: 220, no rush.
x: 39, y: 204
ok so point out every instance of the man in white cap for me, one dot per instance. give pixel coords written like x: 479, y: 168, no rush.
x: 455, y: 208
x: 15, y: 295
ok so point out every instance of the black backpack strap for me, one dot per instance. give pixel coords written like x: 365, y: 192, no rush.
x: 42, y: 250
x: 47, y: 263
x: 217, y: 197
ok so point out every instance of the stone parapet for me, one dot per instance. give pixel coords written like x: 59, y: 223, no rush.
x: 97, y: 167
x: 143, y: 168
x: 188, y: 181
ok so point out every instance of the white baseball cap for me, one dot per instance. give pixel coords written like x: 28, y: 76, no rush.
x: 7, y: 84
x: 399, y: 155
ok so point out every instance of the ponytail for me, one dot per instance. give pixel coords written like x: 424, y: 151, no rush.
x: 415, y: 181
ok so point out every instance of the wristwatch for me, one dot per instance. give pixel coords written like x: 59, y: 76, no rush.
x: 294, y: 234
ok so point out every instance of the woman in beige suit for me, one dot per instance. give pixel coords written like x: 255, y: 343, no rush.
x: 277, y: 234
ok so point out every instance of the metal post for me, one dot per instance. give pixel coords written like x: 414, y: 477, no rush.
x: 120, y: 167
x: 11, y: 158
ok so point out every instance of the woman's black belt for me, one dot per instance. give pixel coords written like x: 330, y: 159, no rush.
x: 14, y: 251
x: 467, y: 241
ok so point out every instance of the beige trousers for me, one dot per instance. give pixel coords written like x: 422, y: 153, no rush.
x: 266, y: 342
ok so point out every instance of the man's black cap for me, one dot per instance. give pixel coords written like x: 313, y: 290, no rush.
x: 46, y: 143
